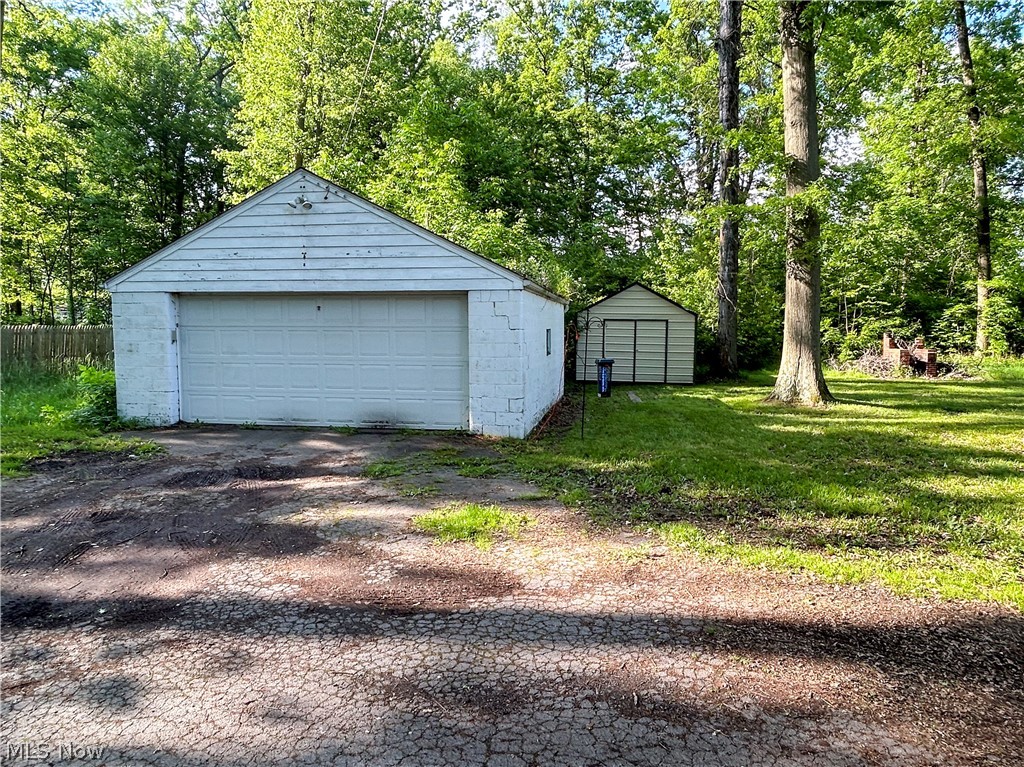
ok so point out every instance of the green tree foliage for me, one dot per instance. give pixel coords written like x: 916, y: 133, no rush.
x: 573, y: 140
x: 900, y: 251
x: 110, y: 148
x: 45, y: 56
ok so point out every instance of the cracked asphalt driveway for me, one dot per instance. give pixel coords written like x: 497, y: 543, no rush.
x: 251, y: 597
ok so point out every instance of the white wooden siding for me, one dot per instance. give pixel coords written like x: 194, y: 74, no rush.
x: 638, y: 303
x: 342, y: 244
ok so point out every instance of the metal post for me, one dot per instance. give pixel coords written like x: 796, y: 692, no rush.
x: 588, y: 323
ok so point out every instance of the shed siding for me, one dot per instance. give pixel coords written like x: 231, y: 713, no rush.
x: 341, y: 245
x: 636, y: 303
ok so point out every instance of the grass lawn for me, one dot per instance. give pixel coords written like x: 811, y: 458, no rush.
x: 25, y: 434
x: 912, y: 483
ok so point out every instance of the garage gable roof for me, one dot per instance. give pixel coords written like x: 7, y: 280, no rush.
x: 324, y: 191
x: 640, y: 285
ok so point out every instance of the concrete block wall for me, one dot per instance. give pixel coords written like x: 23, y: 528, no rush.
x: 512, y: 380
x: 497, y: 376
x: 146, y: 356
x: 545, y: 373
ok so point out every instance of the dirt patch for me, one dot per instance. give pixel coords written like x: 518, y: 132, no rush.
x: 361, y: 576
x: 248, y: 561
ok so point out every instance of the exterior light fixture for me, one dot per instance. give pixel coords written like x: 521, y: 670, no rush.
x: 301, y: 202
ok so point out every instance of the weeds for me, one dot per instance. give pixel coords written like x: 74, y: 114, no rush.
x: 472, y: 522
x: 48, y: 413
x: 384, y: 469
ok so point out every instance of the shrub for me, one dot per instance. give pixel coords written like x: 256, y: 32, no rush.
x: 95, y: 403
x: 955, y: 330
x: 1004, y: 318
x: 97, y: 398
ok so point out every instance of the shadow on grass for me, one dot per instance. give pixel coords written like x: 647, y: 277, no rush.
x: 892, y: 472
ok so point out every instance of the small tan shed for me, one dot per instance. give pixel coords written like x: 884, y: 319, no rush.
x: 650, y: 337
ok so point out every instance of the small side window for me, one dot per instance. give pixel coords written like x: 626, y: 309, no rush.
x: 547, y: 341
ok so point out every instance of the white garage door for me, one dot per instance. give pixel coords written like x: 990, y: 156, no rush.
x: 397, y: 360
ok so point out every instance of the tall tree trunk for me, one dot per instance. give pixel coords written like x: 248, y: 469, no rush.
x: 982, y: 217
x: 729, y: 26
x: 800, y: 380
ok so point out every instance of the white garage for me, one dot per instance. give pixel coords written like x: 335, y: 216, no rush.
x: 309, y: 305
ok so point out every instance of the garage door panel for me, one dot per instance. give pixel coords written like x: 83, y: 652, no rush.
x: 411, y: 312
x: 304, y: 409
x: 446, y: 316
x: 351, y: 360
x: 445, y: 378
x: 338, y: 312
x: 343, y: 408
x: 376, y: 410
x: 303, y: 313
x: 410, y: 343
x: 234, y: 342
x: 234, y: 313
x: 270, y: 375
x: 374, y: 311
x: 411, y: 378
x: 339, y: 343
x: 375, y: 343
x: 261, y: 312
x: 236, y: 375
x: 204, y: 341
x: 375, y: 378
x: 445, y: 344
x: 339, y: 378
x: 201, y: 374
x: 203, y: 403
x: 302, y: 377
x: 269, y: 343
x: 302, y: 343
x: 238, y: 407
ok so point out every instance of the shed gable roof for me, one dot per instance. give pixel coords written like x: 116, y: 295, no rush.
x: 264, y: 225
x: 641, y: 286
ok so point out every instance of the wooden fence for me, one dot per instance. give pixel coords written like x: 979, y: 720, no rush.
x: 59, y: 347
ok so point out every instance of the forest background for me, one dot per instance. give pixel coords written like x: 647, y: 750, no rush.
x: 577, y: 141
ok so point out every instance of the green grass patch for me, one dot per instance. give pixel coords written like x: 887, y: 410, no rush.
x: 1002, y: 368
x: 433, y: 460
x: 44, y: 414
x: 408, y: 490
x: 478, y: 467
x: 911, y: 483
x: 384, y: 469
x: 471, y: 522
x: 534, y: 496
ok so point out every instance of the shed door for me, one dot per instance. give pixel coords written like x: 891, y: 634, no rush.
x: 639, y: 348
x: 360, y: 360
